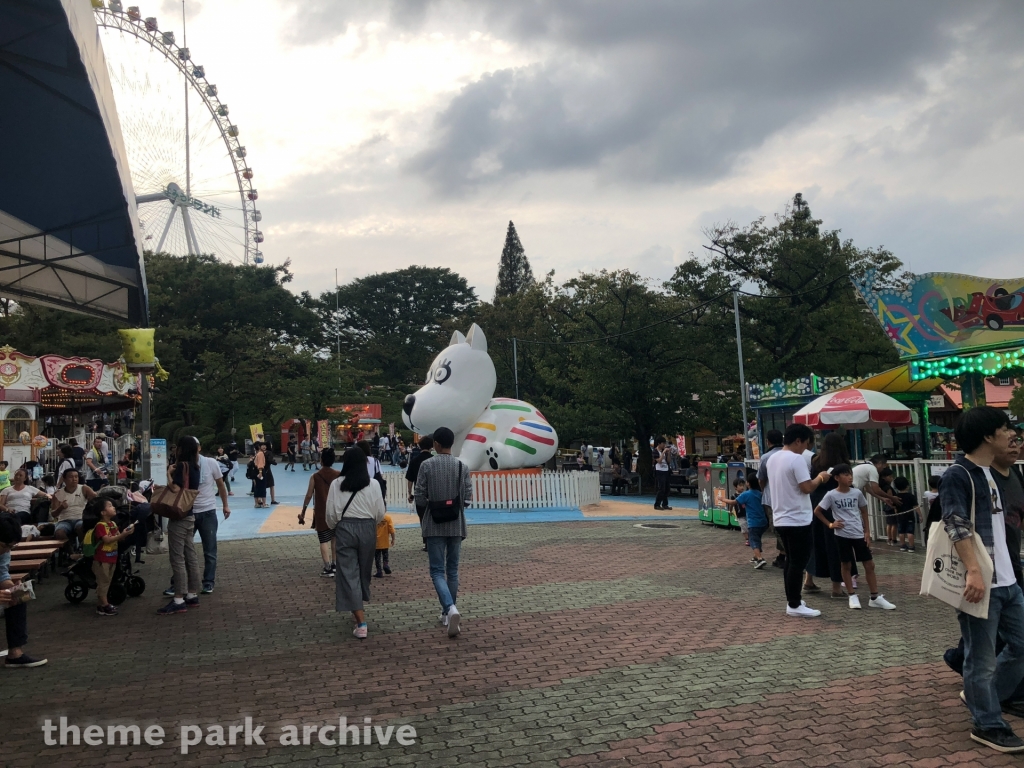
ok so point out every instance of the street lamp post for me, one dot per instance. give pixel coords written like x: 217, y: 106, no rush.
x: 743, y: 382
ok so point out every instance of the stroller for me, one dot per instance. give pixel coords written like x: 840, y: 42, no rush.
x: 126, y: 582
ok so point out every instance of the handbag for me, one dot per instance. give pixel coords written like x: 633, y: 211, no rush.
x: 173, y: 502
x: 447, y: 510
x: 945, y: 576
x: 156, y: 543
x: 379, y: 477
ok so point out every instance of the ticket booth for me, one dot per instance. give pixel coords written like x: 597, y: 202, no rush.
x: 720, y: 514
x: 705, y: 498
x: 19, y: 427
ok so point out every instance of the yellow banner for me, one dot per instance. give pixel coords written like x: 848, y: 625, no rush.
x: 257, y: 432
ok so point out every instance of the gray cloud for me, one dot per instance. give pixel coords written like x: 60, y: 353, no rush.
x: 678, y: 91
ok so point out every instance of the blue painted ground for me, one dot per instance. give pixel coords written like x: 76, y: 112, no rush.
x: 245, y: 521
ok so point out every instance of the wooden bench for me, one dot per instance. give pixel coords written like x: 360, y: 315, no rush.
x: 632, y: 479
x: 685, y: 482
x: 25, y: 568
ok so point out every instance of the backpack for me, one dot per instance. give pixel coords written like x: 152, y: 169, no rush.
x: 251, y: 471
x: 89, y: 544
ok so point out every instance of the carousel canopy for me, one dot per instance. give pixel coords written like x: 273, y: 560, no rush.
x: 63, y: 383
x: 69, y: 231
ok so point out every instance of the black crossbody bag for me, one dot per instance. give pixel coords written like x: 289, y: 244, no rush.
x: 447, y: 510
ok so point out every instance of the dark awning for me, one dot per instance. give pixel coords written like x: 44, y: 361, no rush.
x: 69, y: 232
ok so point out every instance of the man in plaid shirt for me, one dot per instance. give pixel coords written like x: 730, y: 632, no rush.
x: 982, y: 433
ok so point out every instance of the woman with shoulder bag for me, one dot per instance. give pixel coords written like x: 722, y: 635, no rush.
x: 184, y: 473
x: 355, y: 506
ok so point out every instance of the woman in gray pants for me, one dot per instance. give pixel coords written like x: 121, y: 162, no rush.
x: 354, y: 508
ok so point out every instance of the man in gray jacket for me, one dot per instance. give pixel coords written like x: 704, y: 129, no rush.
x: 443, y: 488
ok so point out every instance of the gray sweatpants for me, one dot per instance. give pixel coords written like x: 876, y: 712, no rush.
x: 355, y: 541
x: 182, y: 552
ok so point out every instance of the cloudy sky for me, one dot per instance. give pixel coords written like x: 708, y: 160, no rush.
x: 385, y: 134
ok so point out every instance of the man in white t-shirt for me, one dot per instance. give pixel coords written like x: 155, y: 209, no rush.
x: 211, y: 485
x: 865, y: 480
x: 791, y: 485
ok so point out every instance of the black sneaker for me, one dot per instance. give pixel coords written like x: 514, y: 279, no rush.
x: 192, y: 602
x: 23, y: 662
x: 999, y: 740
x: 327, y: 572
x: 379, y: 575
x: 759, y: 564
x: 387, y: 569
x: 903, y: 548
x: 275, y: 502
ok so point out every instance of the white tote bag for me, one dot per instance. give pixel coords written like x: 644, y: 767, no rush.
x: 945, y: 576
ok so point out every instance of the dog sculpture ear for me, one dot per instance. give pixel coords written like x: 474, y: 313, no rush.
x: 476, y: 339
x: 457, y: 338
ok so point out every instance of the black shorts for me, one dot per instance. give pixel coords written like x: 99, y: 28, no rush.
x: 853, y: 549
x: 892, y: 519
x: 905, y: 524
x: 325, y: 536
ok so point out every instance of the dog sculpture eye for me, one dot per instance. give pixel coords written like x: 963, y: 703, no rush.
x: 443, y: 372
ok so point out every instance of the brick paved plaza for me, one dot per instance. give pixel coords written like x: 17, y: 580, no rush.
x: 589, y: 644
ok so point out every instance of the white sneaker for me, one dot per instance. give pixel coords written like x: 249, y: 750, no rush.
x: 881, y: 602
x: 443, y: 618
x: 454, y: 621
x: 855, y: 602
x: 802, y: 612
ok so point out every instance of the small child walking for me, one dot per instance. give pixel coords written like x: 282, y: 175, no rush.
x: 908, y: 516
x: 385, y: 540
x: 850, y: 511
x: 739, y: 487
x: 105, y: 537
x: 754, y: 518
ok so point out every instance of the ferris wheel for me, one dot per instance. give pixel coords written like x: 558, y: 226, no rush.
x: 193, y: 184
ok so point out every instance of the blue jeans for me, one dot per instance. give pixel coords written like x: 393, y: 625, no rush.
x: 206, y: 527
x: 989, y: 680
x: 443, y: 553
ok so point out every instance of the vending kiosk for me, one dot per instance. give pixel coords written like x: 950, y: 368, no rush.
x: 705, y: 496
x: 737, y: 471
x: 720, y: 515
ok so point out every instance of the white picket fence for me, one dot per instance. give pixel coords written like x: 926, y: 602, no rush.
x: 513, y: 490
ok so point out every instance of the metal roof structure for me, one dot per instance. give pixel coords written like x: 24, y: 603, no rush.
x: 69, y: 231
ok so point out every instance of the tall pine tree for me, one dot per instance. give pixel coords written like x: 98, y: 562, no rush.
x: 514, y: 273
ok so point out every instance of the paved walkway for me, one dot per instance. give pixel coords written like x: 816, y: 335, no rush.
x: 586, y: 644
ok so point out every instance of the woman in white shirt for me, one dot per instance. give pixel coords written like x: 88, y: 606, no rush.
x: 354, y: 508
x: 17, y: 497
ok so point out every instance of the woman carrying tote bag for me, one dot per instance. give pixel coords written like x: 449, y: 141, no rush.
x: 355, y: 506
x: 184, y: 561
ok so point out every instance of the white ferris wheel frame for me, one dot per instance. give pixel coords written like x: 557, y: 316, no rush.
x: 131, y: 21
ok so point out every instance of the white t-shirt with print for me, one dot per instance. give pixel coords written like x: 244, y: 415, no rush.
x: 846, y: 508
x: 18, y: 501
x: 210, y: 471
x: 864, y: 474
x: 790, y: 505
x: 1004, y: 568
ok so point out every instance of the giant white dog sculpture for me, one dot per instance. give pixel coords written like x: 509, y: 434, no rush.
x: 490, y: 434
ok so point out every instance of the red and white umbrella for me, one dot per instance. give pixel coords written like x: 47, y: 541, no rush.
x: 857, y: 408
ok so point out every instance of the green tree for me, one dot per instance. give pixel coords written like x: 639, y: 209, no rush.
x: 392, y: 323
x: 807, y: 317
x: 1016, y: 404
x: 630, y: 360
x: 514, y: 273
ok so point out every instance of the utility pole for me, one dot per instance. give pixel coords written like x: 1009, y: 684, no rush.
x: 743, y: 381
x: 337, y: 322
x: 515, y: 364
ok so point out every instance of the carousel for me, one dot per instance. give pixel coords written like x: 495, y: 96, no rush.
x: 54, y: 389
